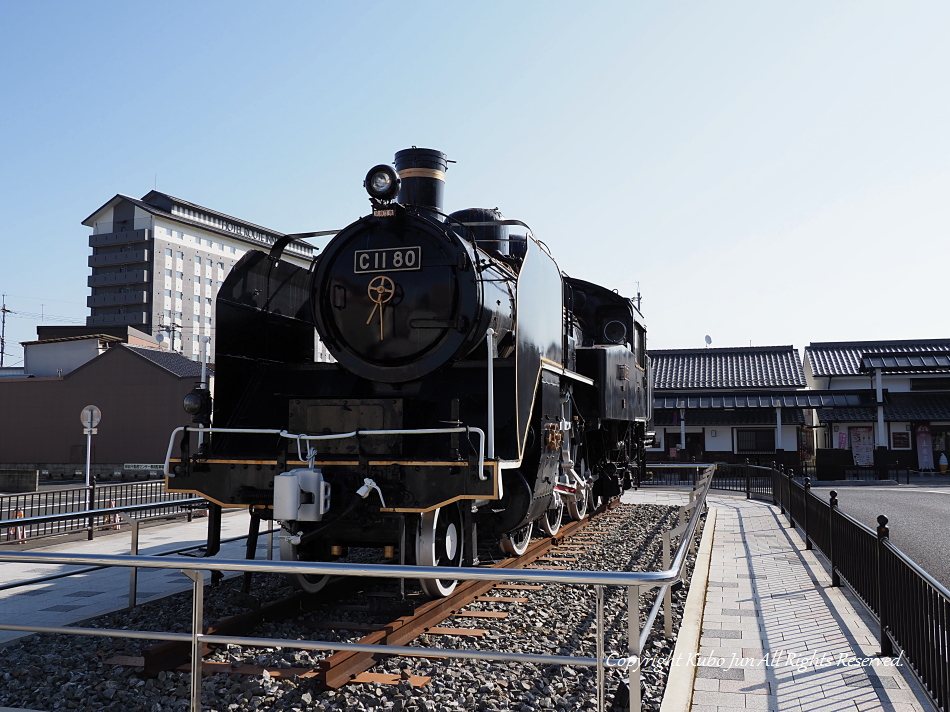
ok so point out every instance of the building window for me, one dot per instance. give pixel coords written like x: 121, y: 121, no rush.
x: 208, y: 281
x: 180, y: 255
x: 207, y: 320
x: 168, y: 273
x: 179, y: 295
x: 168, y: 315
x: 930, y: 384
x: 232, y: 249
x: 168, y: 292
x: 168, y: 252
x: 755, y: 441
x: 209, y: 263
x: 207, y: 300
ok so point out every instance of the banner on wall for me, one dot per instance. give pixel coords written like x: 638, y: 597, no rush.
x: 842, y: 441
x: 925, y: 453
x: 862, y: 446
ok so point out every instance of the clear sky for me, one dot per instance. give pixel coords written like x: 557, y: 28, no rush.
x: 766, y: 172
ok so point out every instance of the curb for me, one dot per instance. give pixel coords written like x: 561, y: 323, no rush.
x: 679, y: 685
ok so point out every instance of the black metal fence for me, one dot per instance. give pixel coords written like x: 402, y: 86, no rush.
x: 80, y: 499
x: 753, y: 480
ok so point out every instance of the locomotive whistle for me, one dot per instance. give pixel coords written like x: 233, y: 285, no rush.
x: 380, y: 290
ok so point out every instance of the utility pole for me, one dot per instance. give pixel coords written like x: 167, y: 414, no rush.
x: 3, y: 328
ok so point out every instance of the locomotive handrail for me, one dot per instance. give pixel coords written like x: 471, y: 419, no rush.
x: 331, y: 436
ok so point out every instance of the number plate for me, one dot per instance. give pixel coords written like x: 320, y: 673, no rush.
x: 391, y: 259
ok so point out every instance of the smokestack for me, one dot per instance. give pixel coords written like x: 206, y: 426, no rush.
x: 422, y: 177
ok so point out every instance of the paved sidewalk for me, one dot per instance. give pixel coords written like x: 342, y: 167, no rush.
x: 775, y: 634
x: 68, y: 600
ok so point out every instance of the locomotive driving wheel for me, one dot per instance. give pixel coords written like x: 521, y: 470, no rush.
x: 550, y: 521
x: 515, y: 542
x: 577, y: 506
x: 439, y: 543
x: 304, y: 582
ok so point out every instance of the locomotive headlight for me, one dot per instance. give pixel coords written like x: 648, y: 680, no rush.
x: 192, y: 403
x: 382, y: 183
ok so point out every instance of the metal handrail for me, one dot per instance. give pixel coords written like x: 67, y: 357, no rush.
x: 108, y: 511
x: 632, y: 580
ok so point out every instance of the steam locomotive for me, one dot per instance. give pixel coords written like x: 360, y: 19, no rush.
x: 476, y: 390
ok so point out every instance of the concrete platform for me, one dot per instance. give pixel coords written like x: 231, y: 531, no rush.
x: 775, y: 635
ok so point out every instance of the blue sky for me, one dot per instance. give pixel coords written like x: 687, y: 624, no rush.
x: 768, y: 173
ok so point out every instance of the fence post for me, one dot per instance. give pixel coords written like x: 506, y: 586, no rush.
x: 833, y: 504
x: 787, y: 477
x: 90, y: 505
x: 808, y: 544
x: 887, y: 649
x: 599, y: 606
x: 748, y: 489
x: 197, y: 630
x: 633, y: 648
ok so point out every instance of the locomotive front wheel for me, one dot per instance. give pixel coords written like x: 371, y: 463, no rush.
x: 515, y: 543
x: 577, y: 507
x: 303, y: 582
x: 440, y: 543
x: 550, y: 521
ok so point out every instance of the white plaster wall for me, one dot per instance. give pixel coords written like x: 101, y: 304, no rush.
x: 723, y: 440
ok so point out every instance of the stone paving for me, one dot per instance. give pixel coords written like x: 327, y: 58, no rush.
x: 775, y: 634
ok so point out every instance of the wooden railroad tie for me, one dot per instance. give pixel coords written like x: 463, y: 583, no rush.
x: 517, y: 587
x: 462, y: 632
x: 481, y: 614
x: 342, y: 625
x: 381, y: 678
x: 500, y: 599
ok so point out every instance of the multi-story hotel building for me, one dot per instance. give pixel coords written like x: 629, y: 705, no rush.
x: 158, y: 262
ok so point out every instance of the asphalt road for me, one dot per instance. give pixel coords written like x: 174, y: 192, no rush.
x: 918, y: 518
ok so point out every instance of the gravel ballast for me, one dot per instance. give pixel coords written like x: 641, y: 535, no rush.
x: 57, y: 672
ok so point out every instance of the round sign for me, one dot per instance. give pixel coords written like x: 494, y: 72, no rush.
x: 90, y: 416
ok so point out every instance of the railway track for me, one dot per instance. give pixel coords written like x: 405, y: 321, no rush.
x: 345, y: 667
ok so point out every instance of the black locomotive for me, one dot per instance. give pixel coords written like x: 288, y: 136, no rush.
x: 476, y: 389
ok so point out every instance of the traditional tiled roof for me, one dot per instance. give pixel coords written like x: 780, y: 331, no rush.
x: 742, y: 367
x: 899, y: 407
x: 169, y: 360
x: 725, y: 418
x: 843, y: 358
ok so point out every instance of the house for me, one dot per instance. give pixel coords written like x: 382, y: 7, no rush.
x: 903, y: 418
x: 139, y: 390
x: 730, y: 404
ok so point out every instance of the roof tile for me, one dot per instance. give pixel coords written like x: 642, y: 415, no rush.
x: 843, y: 358
x: 742, y: 367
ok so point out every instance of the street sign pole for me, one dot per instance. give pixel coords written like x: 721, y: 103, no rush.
x: 89, y: 417
x: 89, y: 449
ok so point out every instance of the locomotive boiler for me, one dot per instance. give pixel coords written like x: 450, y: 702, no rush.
x: 476, y: 391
